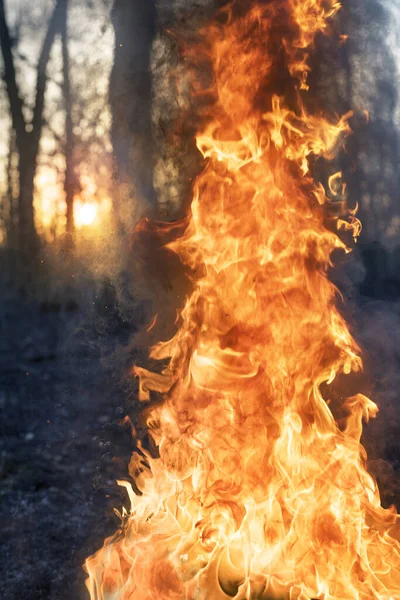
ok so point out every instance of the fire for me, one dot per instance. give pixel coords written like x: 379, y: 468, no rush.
x: 258, y: 492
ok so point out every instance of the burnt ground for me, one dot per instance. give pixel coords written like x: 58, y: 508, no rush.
x: 64, y: 386
x: 60, y: 403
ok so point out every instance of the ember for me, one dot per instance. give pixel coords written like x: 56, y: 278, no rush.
x: 258, y: 491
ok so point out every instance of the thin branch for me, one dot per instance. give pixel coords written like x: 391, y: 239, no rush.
x: 59, y: 138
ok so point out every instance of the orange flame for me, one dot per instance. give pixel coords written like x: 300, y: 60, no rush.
x: 258, y: 492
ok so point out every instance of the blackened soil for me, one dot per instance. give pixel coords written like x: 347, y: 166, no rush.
x: 64, y: 387
x: 60, y: 402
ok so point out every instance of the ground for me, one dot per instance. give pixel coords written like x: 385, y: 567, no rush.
x: 60, y: 405
x: 64, y: 387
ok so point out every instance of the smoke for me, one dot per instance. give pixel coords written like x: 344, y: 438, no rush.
x: 139, y: 279
x: 378, y: 332
x: 362, y: 75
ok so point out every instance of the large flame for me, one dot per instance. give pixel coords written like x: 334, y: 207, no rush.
x: 258, y: 491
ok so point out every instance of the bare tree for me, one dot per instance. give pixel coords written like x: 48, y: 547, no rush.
x: 27, y: 134
x: 70, y: 180
x: 135, y: 25
x: 10, y: 171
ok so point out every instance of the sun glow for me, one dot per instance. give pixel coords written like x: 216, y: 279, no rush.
x: 260, y: 490
x: 85, y: 213
x: 90, y: 209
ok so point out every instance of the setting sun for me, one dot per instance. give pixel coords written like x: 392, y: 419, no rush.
x: 85, y: 213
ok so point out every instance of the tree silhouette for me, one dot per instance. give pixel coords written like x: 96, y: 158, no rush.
x: 135, y: 25
x: 27, y: 134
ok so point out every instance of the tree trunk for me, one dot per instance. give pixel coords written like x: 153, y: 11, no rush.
x: 70, y: 176
x: 10, y: 219
x: 28, y: 239
x: 27, y: 143
x: 135, y: 25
